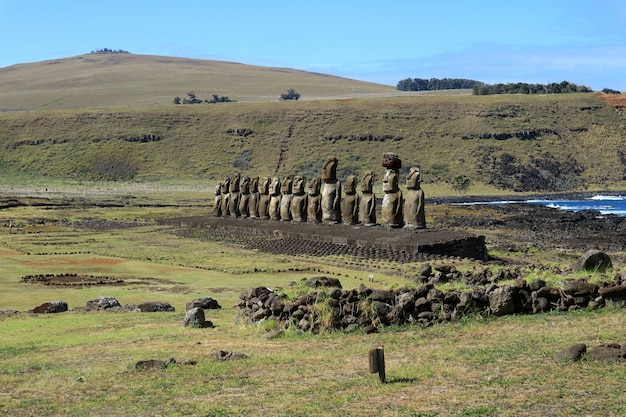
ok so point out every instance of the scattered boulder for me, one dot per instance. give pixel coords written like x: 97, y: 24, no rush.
x: 8, y: 312
x: 594, y: 260
x: 502, y: 300
x: 195, y: 318
x: 51, y: 307
x: 152, y: 364
x: 317, y: 282
x: 223, y: 355
x: 155, y: 306
x: 606, y: 352
x: 571, y: 354
x: 579, y: 288
x: 615, y: 293
x: 206, y: 303
x: 102, y: 303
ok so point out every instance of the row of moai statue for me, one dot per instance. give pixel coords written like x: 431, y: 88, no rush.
x: 291, y: 199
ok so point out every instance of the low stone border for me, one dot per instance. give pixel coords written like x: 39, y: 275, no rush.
x: 368, y: 309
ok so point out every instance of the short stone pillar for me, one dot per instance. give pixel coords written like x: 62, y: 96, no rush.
x: 377, y: 362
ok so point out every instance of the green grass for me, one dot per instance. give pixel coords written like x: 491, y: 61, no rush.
x: 497, y: 367
x: 440, y: 132
x: 82, y: 363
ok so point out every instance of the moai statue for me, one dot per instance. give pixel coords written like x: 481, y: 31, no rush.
x: 234, y: 195
x: 299, y: 199
x: 244, y: 197
x: 414, y: 215
x: 331, y: 192
x: 253, y: 205
x: 217, y: 203
x: 391, y: 210
x: 314, y: 201
x: 226, y: 197
x: 264, y: 198
x: 285, y: 199
x: 350, y: 204
x: 367, y: 205
x: 274, y: 207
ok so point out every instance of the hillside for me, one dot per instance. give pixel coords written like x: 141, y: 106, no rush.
x: 103, y: 80
x: 510, y: 142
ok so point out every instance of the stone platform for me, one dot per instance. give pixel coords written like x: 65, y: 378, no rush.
x: 325, y: 239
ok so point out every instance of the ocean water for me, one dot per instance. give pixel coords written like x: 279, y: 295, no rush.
x: 605, y: 204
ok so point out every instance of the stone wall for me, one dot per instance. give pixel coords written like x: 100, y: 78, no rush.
x: 323, y: 304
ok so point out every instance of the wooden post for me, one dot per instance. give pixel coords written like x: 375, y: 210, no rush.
x: 377, y: 362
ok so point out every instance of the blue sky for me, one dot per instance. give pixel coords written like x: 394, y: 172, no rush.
x: 534, y: 41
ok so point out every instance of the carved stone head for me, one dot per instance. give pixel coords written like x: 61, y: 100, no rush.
x: 274, y: 188
x: 234, y: 183
x: 286, y: 185
x: 245, y: 185
x: 329, y: 171
x: 413, y: 178
x: 265, y: 185
x: 367, y: 183
x: 350, y: 184
x: 226, y: 185
x: 314, y: 186
x: 390, y: 181
x: 298, y: 185
x: 254, y: 184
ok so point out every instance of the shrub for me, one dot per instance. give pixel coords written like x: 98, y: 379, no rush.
x: 291, y: 95
x: 461, y: 184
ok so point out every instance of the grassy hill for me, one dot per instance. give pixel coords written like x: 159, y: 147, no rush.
x: 119, y: 79
x: 111, y: 117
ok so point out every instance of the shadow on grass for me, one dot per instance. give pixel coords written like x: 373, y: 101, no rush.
x: 401, y: 380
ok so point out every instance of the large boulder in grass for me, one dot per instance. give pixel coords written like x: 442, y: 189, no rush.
x: 155, y: 306
x: 102, y: 303
x: 206, y: 303
x: 594, y: 260
x: 51, y: 307
x: 195, y: 318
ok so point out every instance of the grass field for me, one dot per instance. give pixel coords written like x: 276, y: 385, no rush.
x: 59, y: 119
x: 82, y: 363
